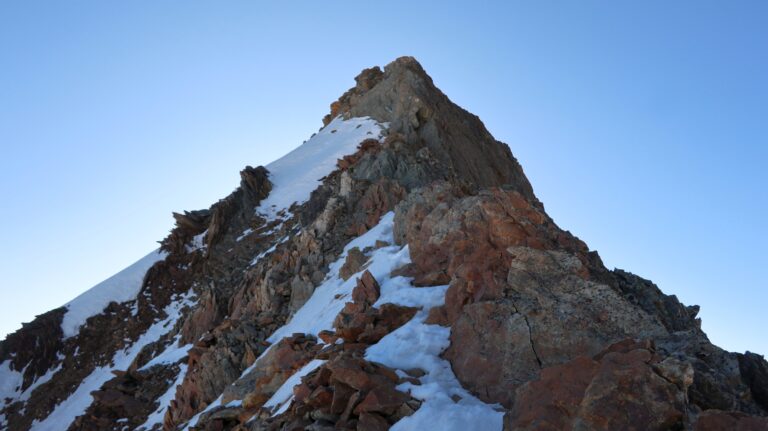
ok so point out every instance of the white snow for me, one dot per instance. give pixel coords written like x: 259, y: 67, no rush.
x: 11, y: 381
x: 328, y: 299
x: 194, y: 419
x: 197, y: 242
x: 282, y: 398
x: 418, y: 345
x: 121, y: 287
x: 268, y: 251
x: 295, y: 175
x: 244, y: 234
x: 171, y: 355
x: 413, y: 345
x: 76, y: 404
x: 39, y: 381
x: 164, y: 401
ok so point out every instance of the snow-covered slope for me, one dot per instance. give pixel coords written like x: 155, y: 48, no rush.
x: 121, y: 287
x: 76, y: 404
x: 295, y: 175
x: 422, y: 286
x: 415, y: 345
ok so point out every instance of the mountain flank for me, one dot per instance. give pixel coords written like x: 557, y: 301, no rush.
x: 395, y: 271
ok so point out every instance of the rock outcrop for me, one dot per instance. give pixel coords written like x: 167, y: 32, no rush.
x: 539, y: 328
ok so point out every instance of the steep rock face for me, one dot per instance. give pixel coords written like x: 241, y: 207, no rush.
x: 627, y: 386
x: 423, y: 118
x: 532, y: 319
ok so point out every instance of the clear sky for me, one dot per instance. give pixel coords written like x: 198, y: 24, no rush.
x: 642, y: 125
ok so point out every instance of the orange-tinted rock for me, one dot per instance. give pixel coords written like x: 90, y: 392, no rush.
x: 360, y: 322
x: 438, y: 316
x: 322, y: 396
x: 328, y: 337
x: 384, y: 399
x: 552, y: 401
x: 367, y: 289
x: 271, y: 370
x: 351, y: 372
x: 617, y: 389
x: 371, y: 422
x: 341, y: 394
x: 353, y: 263
x: 491, y: 351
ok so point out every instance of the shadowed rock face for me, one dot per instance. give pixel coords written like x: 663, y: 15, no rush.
x: 538, y: 324
x: 454, y: 141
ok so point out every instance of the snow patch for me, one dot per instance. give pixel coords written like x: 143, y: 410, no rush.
x: 328, y: 299
x: 171, y: 355
x: 12, y: 380
x: 413, y: 345
x: 419, y: 345
x: 76, y: 404
x: 282, y: 398
x: 196, y: 418
x: 197, y: 242
x: 295, y: 175
x: 268, y: 251
x: 157, y: 417
x: 244, y: 234
x: 121, y: 287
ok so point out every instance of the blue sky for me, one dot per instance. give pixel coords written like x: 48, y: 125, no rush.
x: 642, y: 126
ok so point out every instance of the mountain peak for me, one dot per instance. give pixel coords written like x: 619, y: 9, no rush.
x: 418, y: 113
x: 395, y: 270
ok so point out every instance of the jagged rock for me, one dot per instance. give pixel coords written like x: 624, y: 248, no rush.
x: 367, y: 289
x: 360, y: 322
x: 301, y: 291
x: 754, y: 372
x: 405, y: 97
x: 530, y: 308
x: 383, y: 399
x: 271, y: 370
x: 672, y: 314
x: 353, y: 264
x: 678, y: 372
x: 255, y: 185
x: 349, y: 392
x: 372, y: 422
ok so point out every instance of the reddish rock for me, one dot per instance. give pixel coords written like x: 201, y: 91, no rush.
x: 371, y: 422
x: 384, y: 399
x: 626, y: 392
x: 271, y: 370
x: 351, y: 372
x: 322, y: 396
x: 552, y: 401
x: 328, y: 337
x: 353, y: 264
x: 341, y: 395
x: 617, y: 389
x: 491, y: 351
x: 531, y: 308
x: 438, y: 316
x: 360, y: 322
x: 367, y: 289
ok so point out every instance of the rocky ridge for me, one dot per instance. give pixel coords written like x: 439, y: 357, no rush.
x: 538, y: 326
